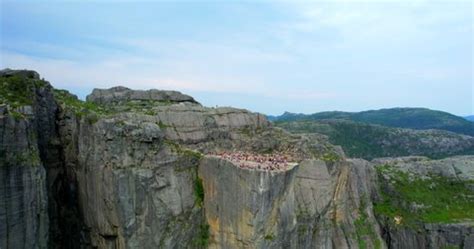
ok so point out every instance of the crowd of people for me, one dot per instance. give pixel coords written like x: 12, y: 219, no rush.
x: 246, y: 160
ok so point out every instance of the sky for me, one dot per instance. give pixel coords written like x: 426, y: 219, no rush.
x: 265, y: 56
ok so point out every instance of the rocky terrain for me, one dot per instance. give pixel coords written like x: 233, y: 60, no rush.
x: 138, y: 169
x: 369, y: 141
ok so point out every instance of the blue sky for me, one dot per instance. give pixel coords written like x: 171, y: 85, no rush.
x: 264, y: 56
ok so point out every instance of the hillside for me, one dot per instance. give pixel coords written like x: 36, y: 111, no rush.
x: 470, y: 118
x: 361, y: 140
x: 412, y: 118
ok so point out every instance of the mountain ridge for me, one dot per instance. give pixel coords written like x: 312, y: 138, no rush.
x: 470, y: 118
x: 401, y: 117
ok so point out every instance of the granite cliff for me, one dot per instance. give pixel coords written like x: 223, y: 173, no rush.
x: 137, y: 169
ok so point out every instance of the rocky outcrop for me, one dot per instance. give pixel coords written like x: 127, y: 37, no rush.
x: 7, y: 72
x: 122, y: 94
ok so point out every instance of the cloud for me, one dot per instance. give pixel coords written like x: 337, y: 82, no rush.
x: 128, y: 71
x: 380, y: 22
x: 342, y: 53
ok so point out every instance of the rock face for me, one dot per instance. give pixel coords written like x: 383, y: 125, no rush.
x: 24, y: 219
x: 128, y: 169
x: 23, y: 196
x: 433, y: 236
x: 248, y: 208
x: 333, y: 205
x: 135, y: 191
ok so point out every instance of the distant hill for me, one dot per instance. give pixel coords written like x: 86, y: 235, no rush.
x: 470, y: 118
x: 287, y: 116
x: 412, y: 118
x: 362, y: 140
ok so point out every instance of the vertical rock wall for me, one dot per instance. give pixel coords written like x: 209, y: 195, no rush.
x: 23, y: 196
x: 135, y: 189
x: 248, y: 208
x: 334, y: 209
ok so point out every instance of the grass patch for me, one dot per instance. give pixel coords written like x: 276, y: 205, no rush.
x: 365, y: 228
x: 330, y: 157
x: 19, y: 90
x: 269, y: 237
x: 163, y: 126
x: 29, y: 157
x: 175, y: 147
x: 79, y: 107
x: 203, y: 236
x: 433, y: 200
x: 199, y: 191
x: 17, y: 115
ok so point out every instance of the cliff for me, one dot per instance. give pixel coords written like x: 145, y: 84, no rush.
x: 142, y: 169
x: 24, y: 218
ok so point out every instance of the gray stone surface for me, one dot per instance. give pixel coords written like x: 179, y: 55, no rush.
x: 458, y: 167
x: 433, y: 236
x: 248, y: 208
x: 135, y: 191
x: 121, y: 94
x: 330, y: 199
x: 26, y: 73
x: 23, y: 195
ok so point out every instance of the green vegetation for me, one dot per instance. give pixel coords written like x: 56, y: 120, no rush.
x: 18, y: 90
x: 269, y: 237
x: 369, y: 141
x: 17, y: 115
x: 250, y: 131
x: 412, y: 118
x: 203, y: 236
x: 163, y: 126
x: 365, y: 229
x: 83, y: 108
x: 450, y: 247
x: 175, y: 147
x: 431, y: 200
x: 79, y: 107
x: 330, y: 157
x: 199, y: 191
x: 28, y: 157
